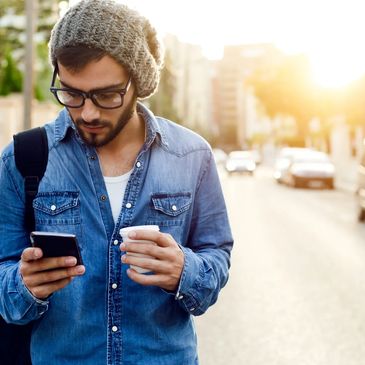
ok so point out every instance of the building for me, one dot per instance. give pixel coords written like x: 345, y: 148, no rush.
x: 239, y: 115
x: 192, y: 73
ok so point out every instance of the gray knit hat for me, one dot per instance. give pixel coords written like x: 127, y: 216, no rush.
x: 120, y: 31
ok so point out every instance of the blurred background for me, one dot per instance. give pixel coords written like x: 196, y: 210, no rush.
x: 278, y: 88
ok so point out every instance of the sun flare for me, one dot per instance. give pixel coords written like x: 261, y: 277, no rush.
x: 335, y: 69
x: 329, y: 32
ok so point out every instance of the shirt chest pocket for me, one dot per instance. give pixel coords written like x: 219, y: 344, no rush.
x: 169, y: 209
x: 57, y: 208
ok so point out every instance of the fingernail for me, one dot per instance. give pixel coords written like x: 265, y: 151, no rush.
x: 80, y: 269
x: 132, y: 234
x: 70, y: 261
x: 122, y: 246
x: 123, y: 258
x: 37, y: 254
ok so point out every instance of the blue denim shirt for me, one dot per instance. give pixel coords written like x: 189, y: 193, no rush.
x: 104, y: 317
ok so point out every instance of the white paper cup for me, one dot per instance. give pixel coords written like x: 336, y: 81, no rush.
x: 124, y: 233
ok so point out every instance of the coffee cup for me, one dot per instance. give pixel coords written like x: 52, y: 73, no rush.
x: 124, y: 233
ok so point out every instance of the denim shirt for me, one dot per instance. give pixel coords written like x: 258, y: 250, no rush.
x: 103, y: 317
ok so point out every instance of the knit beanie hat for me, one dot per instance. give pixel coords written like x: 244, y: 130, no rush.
x: 122, y: 32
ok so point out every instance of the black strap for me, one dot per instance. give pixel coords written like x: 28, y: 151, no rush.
x: 31, y: 157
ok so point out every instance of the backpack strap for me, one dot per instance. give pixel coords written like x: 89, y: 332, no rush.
x: 31, y: 157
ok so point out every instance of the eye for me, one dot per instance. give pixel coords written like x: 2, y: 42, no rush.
x: 109, y: 96
x: 69, y: 95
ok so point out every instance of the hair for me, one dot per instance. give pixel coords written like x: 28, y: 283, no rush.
x: 74, y: 58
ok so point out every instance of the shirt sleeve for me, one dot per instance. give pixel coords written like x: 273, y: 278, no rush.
x: 207, y: 256
x: 17, y: 304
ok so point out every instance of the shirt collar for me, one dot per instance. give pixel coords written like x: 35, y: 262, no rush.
x: 153, y: 128
x: 62, y: 124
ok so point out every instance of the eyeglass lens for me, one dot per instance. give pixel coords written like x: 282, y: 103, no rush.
x: 72, y: 98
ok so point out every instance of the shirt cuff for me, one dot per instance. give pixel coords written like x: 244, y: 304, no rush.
x: 41, y: 306
x: 187, y: 292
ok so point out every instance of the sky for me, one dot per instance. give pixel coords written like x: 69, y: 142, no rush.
x: 331, y: 33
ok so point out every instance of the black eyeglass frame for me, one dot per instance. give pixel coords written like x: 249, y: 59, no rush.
x: 90, y: 94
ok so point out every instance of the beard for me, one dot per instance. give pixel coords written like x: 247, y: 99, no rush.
x: 112, y: 130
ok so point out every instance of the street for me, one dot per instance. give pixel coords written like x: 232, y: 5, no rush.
x: 296, y: 292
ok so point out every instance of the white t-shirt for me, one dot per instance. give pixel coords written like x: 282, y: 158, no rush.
x: 115, y: 186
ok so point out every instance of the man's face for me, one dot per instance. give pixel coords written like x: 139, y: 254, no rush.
x: 97, y: 126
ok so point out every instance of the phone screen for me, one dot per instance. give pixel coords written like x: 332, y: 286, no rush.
x: 55, y: 244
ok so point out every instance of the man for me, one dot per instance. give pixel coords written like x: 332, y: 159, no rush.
x: 113, y: 164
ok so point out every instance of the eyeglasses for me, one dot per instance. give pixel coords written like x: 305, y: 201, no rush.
x: 72, y: 98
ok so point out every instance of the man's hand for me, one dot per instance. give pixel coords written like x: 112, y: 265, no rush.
x: 167, y: 260
x: 44, y: 276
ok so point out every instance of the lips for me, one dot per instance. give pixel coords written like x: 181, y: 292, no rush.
x: 92, y: 129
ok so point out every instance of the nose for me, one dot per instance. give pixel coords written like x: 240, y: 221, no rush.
x: 90, y: 111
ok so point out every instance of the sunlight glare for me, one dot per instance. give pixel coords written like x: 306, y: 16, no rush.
x: 334, y: 70
x: 329, y: 32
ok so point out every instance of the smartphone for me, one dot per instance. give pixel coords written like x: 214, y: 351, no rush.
x: 56, y: 244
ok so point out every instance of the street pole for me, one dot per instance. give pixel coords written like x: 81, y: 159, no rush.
x: 30, y: 8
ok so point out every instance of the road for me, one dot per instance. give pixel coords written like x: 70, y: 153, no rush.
x: 296, y: 293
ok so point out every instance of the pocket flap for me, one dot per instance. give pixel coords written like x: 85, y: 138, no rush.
x: 172, y: 204
x: 56, y: 202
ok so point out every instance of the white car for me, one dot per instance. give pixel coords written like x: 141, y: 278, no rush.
x: 283, y: 160
x: 310, y: 169
x: 240, y: 161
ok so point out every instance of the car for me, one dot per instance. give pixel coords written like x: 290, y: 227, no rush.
x: 360, y: 191
x: 310, y: 169
x: 282, y: 161
x: 240, y: 162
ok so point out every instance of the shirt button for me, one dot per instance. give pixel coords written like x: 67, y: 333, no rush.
x: 114, y: 285
x: 114, y: 328
x: 103, y: 198
x: 138, y: 164
x: 115, y: 242
x: 174, y: 208
x: 53, y: 208
x: 128, y: 205
x: 180, y: 297
x: 192, y: 309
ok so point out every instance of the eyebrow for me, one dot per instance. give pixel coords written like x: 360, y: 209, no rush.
x: 106, y: 88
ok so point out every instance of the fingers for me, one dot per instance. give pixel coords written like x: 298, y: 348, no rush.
x: 165, y: 259
x: 44, y: 291
x: 50, y: 276
x: 147, y: 248
x: 163, y: 281
x: 31, y: 253
x: 43, y: 276
x: 43, y: 283
x: 43, y: 264
x: 161, y: 239
x: 149, y: 263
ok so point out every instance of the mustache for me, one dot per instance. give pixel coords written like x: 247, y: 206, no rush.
x: 93, y: 123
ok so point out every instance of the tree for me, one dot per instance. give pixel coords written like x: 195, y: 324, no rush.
x: 287, y: 90
x: 12, y: 20
x: 11, y: 77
